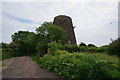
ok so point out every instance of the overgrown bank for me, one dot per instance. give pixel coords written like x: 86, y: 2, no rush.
x: 80, y: 62
x: 81, y: 65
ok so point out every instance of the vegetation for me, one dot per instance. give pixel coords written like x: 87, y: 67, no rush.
x: 51, y: 33
x: 68, y: 61
x: 113, y: 48
x: 78, y: 66
x: 75, y: 48
x: 7, y: 51
x: 47, y: 33
x: 30, y: 43
x: 78, y: 62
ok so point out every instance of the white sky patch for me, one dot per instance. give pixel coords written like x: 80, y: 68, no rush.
x: 0, y: 22
x: 96, y: 22
x: 60, y: 0
x: 12, y: 26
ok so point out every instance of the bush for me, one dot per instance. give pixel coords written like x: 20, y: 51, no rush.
x: 82, y: 44
x: 36, y: 59
x: 91, y: 45
x: 41, y: 48
x: 113, y: 48
x: 102, y: 49
x: 58, y: 46
x: 81, y: 66
x: 75, y: 48
x: 59, y: 52
x: 54, y: 46
x: 71, y: 48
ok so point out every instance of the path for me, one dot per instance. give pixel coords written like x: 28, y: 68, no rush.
x: 25, y: 67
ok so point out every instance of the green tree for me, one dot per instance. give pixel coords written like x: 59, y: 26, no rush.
x: 82, y: 44
x: 41, y: 48
x: 48, y: 33
x: 51, y: 32
x: 4, y: 45
x: 24, y: 41
x: 91, y: 45
x: 113, y: 48
x: 21, y: 36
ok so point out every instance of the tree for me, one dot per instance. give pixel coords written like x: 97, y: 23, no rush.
x: 24, y: 42
x: 113, y: 48
x: 82, y: 44
x: 51, y: 33
x: 91, y: 45
x: 21, y: 36
x: 41, y: 48
x: 4, y: 45
x: 48, y: 33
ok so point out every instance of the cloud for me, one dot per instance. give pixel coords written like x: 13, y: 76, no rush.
x: 92, y: 19
x: 10, y: 26
x: 19, y: 19
x: 60, y: 0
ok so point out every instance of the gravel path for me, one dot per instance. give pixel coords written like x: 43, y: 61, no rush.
x: 25, y: 67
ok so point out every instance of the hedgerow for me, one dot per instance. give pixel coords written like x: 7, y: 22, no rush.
x: 75, y: 48
x: 114, y: 46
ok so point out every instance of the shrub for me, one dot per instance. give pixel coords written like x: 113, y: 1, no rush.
x: 60, y: 52
x: 91, y: 45
x: 102, y: 49
x: 36, y: 59
x: 71, y: 48
x: 58, y: 46
x: 82, y: 44
x: 75, y: 48
x: 83, y: 48
x: 113, y: 48
x: 41, y: 48
x: 81, y: 66
x: 54, y: 46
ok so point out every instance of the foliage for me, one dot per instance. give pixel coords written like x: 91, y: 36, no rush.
x: 51, y: 32
x: 4, y: 45
x: 29, y: 43
x: 113, y: 48
x: 75, y: 48
x: 71, y: 48
x: 9, y: 53
x: 82, y: 66
x: 103, y: 49
x: 91, y: 45
x: 59, y: 52
x: 36, y: 59
x: 58, y: 46
x: 20, y: 36
x: 47, y: 33
x: 82, y: 44
x: 54, y: 46
x: 24, y: 42
x: 41, y: 48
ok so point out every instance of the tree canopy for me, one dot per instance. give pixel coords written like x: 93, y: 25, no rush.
x: 114, y: 46
x: 51, y: 32
x: 21, y: 36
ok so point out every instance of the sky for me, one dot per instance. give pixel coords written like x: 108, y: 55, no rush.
x: 96, y: 21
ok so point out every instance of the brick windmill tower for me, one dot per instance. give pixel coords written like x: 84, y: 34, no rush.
x: 66, y: 23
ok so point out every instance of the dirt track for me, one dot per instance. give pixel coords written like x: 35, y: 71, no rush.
x: 25, y: 67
